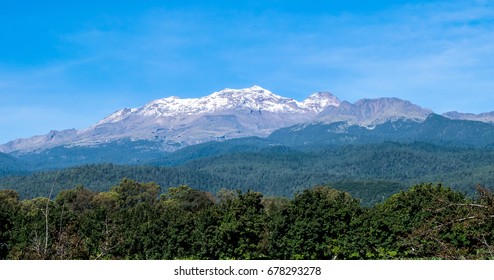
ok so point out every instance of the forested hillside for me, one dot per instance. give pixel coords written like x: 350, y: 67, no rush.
x: 118, y: 152
x: 369, y: 172
x: 132, y: 221
x: 11, y: 166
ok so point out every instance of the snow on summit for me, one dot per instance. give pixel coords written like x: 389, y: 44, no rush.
x: 253, y: 98
x: 225, y: 114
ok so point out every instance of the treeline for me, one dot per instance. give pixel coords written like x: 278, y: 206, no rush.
x: 132, y: 221
x: 100, y: 177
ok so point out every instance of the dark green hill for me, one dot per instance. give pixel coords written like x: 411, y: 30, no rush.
x: 435, y: 129
x: 11, y: 166
x: 210, y: 149
x: 125, y: 152
x: 100, y: 177
x: 369, y: 172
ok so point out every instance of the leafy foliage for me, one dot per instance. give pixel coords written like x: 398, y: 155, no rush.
x: 131, y: 221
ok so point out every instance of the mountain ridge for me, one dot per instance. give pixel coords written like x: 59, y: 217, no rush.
x: 487, y: 117
x: 368, y: 112
x: 226, y: 114
x: 435, y: 129
x: 175, y: 123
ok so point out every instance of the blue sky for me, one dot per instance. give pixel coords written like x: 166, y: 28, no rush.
x: 67, y: 65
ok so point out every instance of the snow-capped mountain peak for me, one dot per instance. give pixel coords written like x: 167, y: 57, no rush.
x: 228, y: 113
x: 321, y: 100
x: 253, y: 98
x: 117, y: 116
x: 256, y: 98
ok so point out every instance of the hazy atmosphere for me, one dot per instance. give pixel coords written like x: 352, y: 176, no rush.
x: 66, y: 65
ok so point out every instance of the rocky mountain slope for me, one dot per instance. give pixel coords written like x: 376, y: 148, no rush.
x: 369, y: 112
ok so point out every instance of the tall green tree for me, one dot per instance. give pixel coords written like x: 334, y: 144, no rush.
x: 241, y: 226
x: 9, y: 208
x: 317, y: 224
x: 390, y: 228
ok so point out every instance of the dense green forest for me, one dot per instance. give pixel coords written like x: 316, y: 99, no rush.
x: 132, y: 221
x: 369, y: 173
x: 255, y: 200
x: 11, y: 166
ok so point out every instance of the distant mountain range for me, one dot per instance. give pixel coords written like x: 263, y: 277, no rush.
x: 150, y: 133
